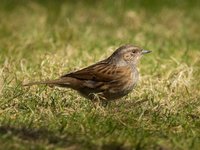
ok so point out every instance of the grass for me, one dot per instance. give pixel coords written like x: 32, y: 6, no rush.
x: 42, y: 40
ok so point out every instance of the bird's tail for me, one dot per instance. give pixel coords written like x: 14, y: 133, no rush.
x: 58, y: 82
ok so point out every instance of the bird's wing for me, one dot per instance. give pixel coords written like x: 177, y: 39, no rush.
x: 101, y: 71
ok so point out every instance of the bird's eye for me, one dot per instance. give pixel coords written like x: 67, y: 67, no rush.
x: 133, y: 51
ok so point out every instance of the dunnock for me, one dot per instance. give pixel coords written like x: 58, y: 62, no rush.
x: 109, y: 79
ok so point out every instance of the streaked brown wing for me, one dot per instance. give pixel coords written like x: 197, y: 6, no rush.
x: 101, y: 71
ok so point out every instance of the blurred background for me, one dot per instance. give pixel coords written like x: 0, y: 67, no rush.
x: 30, y: 28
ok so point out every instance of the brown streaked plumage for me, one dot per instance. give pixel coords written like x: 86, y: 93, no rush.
x: 110, y: 79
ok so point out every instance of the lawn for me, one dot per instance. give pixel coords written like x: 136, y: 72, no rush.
x: 43, y: 39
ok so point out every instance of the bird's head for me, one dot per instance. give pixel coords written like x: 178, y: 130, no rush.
x: 127, y: 54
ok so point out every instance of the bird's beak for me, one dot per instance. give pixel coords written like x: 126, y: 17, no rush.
x: 145, y: 51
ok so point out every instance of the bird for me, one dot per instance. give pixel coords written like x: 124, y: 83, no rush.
x: 107, y: 80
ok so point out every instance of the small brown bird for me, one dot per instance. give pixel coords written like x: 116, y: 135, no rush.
x: 110, y: 79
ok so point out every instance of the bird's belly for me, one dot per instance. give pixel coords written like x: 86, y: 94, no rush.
x: 119, y: 91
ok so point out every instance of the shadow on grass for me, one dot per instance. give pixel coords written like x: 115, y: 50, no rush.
x: 49, y: 139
